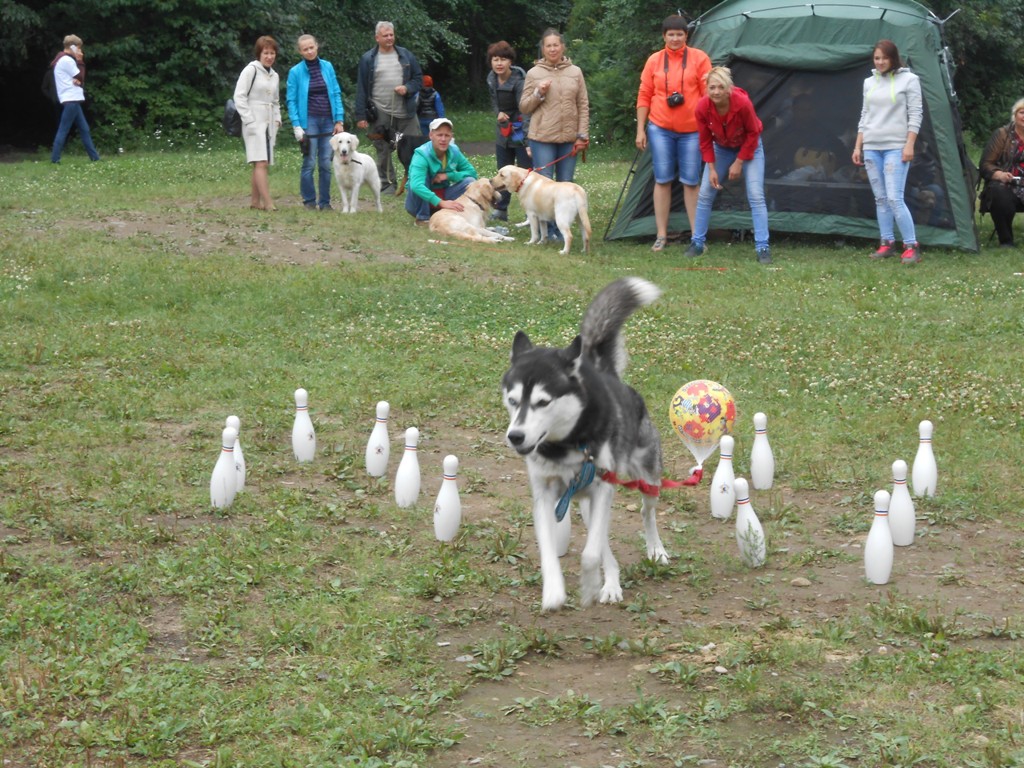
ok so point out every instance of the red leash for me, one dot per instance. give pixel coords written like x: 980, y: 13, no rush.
x: 654, y: 490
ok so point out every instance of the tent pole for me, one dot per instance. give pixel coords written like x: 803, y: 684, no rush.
x: 625, y: 185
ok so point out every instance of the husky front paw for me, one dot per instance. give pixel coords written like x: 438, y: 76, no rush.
x: 658, y: 555
x: 554, y: 597
x: 611, y: 592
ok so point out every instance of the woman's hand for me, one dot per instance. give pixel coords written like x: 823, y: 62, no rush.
x: 641, y: 138
x: 1002, y: 176
x: 736, y: 170
x: 908, y: 152
x: 857, y: 158
x: 713, y: 176
x: 503, y: 118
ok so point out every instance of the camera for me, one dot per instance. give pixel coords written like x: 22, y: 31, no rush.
x: 1015, y: 181
x: 675, y: 99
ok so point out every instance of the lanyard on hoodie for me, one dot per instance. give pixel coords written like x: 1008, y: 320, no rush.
x: 686, y: 50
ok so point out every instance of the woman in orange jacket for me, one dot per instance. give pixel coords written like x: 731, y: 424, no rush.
x: 671, y: 84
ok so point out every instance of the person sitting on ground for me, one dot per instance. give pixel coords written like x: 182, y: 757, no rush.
x: 428, y: 104
x: 438, y: 174
x: 1002, y: 167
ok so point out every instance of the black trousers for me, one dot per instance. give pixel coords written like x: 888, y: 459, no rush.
x: 1002, y: 205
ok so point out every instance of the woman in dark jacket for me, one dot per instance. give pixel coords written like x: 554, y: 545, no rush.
x: 1002, y: 167
x: 505, y: 83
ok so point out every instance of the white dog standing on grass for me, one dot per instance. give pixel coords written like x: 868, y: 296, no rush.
x: 543, y: 200
x: 353, y: 169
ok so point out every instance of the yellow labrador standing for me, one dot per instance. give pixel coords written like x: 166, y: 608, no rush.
x: 353, y: 169
x: 468, y: 224
x: 545, y: 200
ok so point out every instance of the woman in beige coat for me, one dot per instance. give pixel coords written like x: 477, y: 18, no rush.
x: 257, y: 99
x: 555, y: 96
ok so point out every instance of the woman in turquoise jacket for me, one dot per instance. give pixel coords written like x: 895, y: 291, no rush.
x: 316, y: 111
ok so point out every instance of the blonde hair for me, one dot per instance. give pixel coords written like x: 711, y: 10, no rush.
x: 72, y: 40
x: 307, y: 37
x: 722, y: 75
x: 1018, y: 104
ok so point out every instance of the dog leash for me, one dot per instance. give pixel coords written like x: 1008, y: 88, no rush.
x: 557, y: 160
x: 588, y: 471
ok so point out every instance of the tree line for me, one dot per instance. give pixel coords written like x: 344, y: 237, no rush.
x: 168, y: 65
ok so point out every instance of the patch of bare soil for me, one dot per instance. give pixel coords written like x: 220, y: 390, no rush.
x: 814, y: 576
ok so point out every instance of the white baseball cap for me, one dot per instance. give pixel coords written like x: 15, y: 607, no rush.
x: 437, y: 122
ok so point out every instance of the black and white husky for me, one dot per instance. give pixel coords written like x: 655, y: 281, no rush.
x: 573, y: 419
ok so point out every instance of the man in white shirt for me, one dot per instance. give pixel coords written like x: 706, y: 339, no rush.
x: 390, y: 77
x: 69, y: 77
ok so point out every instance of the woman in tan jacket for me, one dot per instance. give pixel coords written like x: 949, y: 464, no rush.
x: 555, y: 96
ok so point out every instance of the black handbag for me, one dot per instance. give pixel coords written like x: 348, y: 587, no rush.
x: 232, y: 121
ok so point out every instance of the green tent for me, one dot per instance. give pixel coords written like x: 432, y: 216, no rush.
x: 803, y: 64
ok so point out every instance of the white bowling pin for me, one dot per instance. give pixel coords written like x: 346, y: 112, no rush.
x: 236, y: 424
x: 407, y: 479
x: 723, y: 493
x: 303, y: 436
x: 901, y: 507
x: 448, y: 507
x: 762, y: 462
x: 563, y: 533
x: 878, y: 552
x: 224, y: 480
x: 925, y: 475
x: 749, y: 533
x: 378, y: 448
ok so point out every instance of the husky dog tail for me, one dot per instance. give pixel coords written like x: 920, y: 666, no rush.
x: 601, y: 330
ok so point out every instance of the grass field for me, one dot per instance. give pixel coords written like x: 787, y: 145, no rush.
x: 314, y: 623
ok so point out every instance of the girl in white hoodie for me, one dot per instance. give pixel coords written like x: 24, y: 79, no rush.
x: 889, y: 123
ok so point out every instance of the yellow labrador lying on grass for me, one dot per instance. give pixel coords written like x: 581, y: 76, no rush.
x: 468, y: 224
x: 545, y: 200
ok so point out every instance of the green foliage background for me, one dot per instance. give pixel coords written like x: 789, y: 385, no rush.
x: 167, y: 65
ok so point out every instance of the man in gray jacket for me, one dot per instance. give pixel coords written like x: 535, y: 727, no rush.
x: 387, y: 82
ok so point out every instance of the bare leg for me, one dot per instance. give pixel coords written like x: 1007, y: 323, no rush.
x: 662, y: 207
x: 690, y: 192
x: 261, y: 185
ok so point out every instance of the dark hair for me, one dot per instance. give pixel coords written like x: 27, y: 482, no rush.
x: 676, y: 21
x: 265, y: 42
x: 502, y: 50
x: 890, y: 51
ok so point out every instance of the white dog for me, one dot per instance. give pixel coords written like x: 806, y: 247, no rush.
x: 468, y: 224
x: 353, y: 169
x: 545, y: 200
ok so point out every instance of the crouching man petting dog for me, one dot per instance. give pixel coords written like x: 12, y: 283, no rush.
x: 439, y: 173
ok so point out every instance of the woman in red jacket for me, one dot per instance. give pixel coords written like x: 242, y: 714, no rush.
x: 670, y: 86
x: 730, y: 144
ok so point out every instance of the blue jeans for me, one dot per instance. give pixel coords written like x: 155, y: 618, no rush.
x: 888, y: 176
x: 510, y: 156
x: 71, y: 114
x: 753, y: 175
x: 320, y: 155
x: 420, y: 208
x: 546, y: 154
x: 674, y: 155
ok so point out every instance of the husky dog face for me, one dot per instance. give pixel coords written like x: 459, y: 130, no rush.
x: 542, y: 393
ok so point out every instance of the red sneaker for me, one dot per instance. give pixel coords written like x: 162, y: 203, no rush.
x: 885, y: 250
x: 911, y: 255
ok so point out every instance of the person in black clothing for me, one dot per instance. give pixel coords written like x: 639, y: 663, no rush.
x: 505, y: 83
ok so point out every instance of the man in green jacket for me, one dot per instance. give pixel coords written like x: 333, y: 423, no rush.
x: 438, y: 174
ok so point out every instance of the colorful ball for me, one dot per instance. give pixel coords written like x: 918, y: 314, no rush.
x: 701, y: 413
